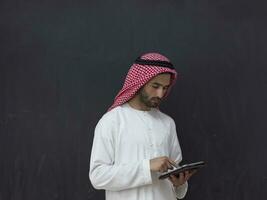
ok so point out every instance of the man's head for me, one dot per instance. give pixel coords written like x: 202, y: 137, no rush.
x: 152, y: 93
x: 149, y: 78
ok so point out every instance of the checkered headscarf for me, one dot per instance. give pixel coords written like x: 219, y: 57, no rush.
x: 142, y: 71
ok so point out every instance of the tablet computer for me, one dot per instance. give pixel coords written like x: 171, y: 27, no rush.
x: 183, y: 168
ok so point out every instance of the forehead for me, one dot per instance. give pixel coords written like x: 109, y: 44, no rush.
x: 163, y: 79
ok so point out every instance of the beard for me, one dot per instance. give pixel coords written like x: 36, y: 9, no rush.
x: 150, y: 102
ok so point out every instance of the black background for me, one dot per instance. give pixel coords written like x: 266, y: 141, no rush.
x: 62, y: 63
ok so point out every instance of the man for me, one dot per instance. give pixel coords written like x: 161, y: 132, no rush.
x: 134, y: 142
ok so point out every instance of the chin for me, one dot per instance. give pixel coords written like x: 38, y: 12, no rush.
x: 154, y: 105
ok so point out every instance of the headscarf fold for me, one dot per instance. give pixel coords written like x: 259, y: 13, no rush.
x: 141, y: 72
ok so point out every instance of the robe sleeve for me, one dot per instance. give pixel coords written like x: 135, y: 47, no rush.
x: 104, y: 173
x: 176, y: 155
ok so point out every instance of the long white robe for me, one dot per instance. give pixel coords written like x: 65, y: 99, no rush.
x: 125, y: 140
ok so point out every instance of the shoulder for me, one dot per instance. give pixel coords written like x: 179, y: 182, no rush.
x: 110, y: 116
x: 165, y: 117
x: 108, y: 124
x: 113, y: 116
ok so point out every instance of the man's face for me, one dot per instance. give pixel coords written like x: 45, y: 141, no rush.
x: 151, y: 94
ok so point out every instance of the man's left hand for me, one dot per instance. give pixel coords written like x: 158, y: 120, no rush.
x: 183, y: 177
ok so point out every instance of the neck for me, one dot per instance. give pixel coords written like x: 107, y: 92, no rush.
x: 137, y: 104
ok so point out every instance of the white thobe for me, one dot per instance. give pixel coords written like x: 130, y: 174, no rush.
x: 124, y: 142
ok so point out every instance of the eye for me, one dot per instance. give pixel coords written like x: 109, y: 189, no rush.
x: 155, y: 86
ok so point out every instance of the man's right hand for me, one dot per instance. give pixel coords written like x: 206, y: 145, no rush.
x: 161, y: 164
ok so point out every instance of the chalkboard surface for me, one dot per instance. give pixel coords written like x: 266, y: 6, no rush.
x: 62, y: 63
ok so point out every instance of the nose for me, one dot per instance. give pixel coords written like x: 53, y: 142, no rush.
x: 160, y: 92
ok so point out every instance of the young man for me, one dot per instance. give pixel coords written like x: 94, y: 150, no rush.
x: 134, y: 141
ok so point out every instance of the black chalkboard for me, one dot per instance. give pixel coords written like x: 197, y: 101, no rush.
x: 62, y: 63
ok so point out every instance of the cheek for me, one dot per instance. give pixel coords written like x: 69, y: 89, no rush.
x: 152, y: 92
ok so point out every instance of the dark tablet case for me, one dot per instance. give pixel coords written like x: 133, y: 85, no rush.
x: 185, y: 167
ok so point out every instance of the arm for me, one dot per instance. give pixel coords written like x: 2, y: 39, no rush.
x: 104, y: 172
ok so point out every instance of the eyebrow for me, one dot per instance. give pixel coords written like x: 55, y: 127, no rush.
x: 158, y: 84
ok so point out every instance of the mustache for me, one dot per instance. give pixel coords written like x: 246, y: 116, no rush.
x: 156, y: 98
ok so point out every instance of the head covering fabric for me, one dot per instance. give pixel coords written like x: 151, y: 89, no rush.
x: 141, y: 73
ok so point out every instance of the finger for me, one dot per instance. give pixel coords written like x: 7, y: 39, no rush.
x: 178, y: 180
x: 173, y: 177
x: 193, y: 171
x: 189, y: 174
x: 181, y: 176
x: 164, y: 168
x: 172, y: 162
x: 169, y: 166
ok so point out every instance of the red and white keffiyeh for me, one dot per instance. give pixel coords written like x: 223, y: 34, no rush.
x: 141, y: 73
